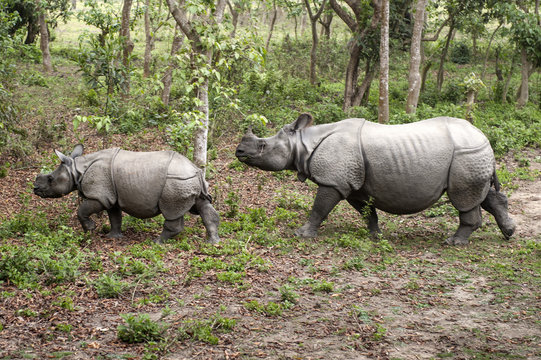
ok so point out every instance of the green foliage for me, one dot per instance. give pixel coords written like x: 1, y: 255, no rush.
x: 460, y: 53
x: 270, y: 309
x: 110, y: 286
x: 100, y: 62
x: 205, y: 330
x: 102, y: 124
x: 181, y: 133
x: 140, y: 328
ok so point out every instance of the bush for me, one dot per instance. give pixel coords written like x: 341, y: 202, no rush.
x: 140, y: 328
x: 460, y: 53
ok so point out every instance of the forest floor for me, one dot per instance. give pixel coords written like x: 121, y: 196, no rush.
x: 262, y: 292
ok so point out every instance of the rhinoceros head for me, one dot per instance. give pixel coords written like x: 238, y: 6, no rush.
x: 61, y: 181
x: 274, y: 153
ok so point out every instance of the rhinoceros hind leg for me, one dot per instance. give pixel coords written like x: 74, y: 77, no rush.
x: 369, y: 213
x: 496, y: 204
x: 210, y: 218
x: 87, y: 208
x: 326, y: 200
x: 115, y: 218
x: 469, y: 222
x: 171, y: 228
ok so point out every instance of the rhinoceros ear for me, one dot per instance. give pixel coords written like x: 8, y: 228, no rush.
x: 77, y: 151
x: 65, y: 159
x: 305, y: 120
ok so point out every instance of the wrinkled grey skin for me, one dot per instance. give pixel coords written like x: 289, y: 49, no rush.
x: 142, y: 184
x: 400, y: 169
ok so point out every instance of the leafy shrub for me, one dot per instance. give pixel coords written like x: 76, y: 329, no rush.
x: 460, y: 53
x: 109, y: 286
x: 140, y: 328
x: 204, y: 330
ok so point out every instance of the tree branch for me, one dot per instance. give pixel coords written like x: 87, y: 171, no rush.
x: 437, y: 35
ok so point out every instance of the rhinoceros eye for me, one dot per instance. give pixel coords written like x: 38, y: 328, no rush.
x: 50, y: 179
x: 261, y: 146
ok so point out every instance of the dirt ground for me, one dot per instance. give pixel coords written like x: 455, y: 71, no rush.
x: 419, y: 300
x: 423, y: 305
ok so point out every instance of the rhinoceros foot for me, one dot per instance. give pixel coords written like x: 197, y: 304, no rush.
x: 212, y: 240
x: 114, y: 235
x: 306, y: 231
x: 457, y: 240
x: 508, y: 228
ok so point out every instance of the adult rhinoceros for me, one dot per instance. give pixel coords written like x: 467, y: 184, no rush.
x: 400, y: 169
x: 143, y: 184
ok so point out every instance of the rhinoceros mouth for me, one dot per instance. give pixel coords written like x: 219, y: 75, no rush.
x: 43, y: 194
x: 243, y: 158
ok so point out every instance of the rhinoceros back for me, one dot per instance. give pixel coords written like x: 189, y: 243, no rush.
x: 139, y: 178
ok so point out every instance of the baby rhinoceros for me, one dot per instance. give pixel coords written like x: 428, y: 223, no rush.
x: 400, y: 169
x: 143, y: 184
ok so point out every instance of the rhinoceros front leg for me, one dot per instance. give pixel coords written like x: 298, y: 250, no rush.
x: 115, y: 218
x: 469, y: 221
x: 87, y: 208
x: 326, y: 200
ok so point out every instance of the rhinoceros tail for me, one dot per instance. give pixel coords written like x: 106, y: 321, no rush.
x: 495, y: 181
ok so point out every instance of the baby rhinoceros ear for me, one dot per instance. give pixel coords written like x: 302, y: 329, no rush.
x: 77, y: 151
x: 65, y: 159
x: 303, y: 121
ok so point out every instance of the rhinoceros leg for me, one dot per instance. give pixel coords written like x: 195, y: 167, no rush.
x: 87, y: 208
x: 368, y: 212
x: 171, y: 228
x: 326, y: 200
x: 210, y: 218
x: 469, y: 222
x: 496, y: 204
x: 115, y: 218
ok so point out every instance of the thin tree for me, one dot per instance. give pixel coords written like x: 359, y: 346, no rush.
x: 271, y: 26
x: 128, y: 44
x: 313, y: 52
x: 383, y: 103
x: 167, y: 78
x: 414, y: 78
x: 361, y: 30
x: 44, y: 38
x: 186, y: 24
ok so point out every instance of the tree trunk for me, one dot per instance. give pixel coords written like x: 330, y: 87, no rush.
x: 362, y: 92
x: 234, y: 17
x: 313, y: 52
x: 128, y: 44
x: 508, y: 80
x: 326, y: 23
x: 523, y: 95
x: 352, y: 74
x: 44, y: 39
x: 73, y: 4
x: 149, y: 41
x: 414, y: 79
x: 424, y: 74
x: 201, y: 134
x: 271, y: 28
x: 178, y: 39
x: 483, y: 73
x: 444, y: 55
x: 383, y: 104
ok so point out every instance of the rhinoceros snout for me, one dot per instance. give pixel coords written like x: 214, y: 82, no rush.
x: 241, y: 154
